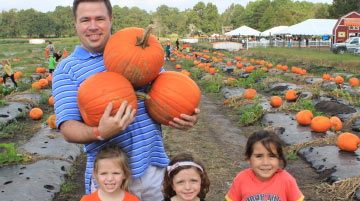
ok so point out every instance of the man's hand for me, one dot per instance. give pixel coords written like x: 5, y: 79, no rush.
x: 111, y: 125
x: 186, y: 122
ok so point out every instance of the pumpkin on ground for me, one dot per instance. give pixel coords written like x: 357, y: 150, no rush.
x: 212, y: 71
x: 134, y: 53
x: 290, y: 95
x: 43, y: 82
x: 178, y: 66
x: 348, y: 142
x: 250, y: 93
x: 275, y: 101
x: 339, y: 80
x: 52, y: 121
x: 304, y: 117
x: 36, y: 113
x: 98, y: 90
x: 229, y: 63
x: 336, y: 123
x: 36, y: 85
x: 354, y: 82
x: 326, y: 77
x: 171, y: 94
x: 51, y: 100
x: 320, y: 124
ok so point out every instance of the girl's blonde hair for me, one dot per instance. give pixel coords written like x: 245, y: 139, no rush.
x: 5, y: 62
x: 112, y: 151
x: 168, y: 191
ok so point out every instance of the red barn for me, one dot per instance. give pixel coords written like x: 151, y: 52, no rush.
x: 347, y: 26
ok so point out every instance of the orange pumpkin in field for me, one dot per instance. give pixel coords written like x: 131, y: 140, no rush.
x: 275, y: 101
x: 43, y: 82
x: 320, y: 124
x: 238, y: 58
x: 51, y: 100
x: 94, y: 97
x: 336, y: 123
x: 134, y: 53
x: 239, y: 65
x: 172, y: 94
x: 252, y: 60
x: 348, y: 142
x: 354, y: 82
x: 290, y: 95
x: 212, y: 71
x: 36, y: 85
x: 52, y: 121
x: 326, y: 77
x: 304, y: 117
x: 178, y: 66
x: 36, y: 113
x: 229, y: 63
x: 250, y: 93
x: 339, y: 80
x: 172, y: 59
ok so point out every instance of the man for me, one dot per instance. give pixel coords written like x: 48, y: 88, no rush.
x: 138, y: 135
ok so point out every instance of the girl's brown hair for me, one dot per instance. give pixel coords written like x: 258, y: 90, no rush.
x: 168, y: 178
x: 112, y: 151
x: 266, y: 138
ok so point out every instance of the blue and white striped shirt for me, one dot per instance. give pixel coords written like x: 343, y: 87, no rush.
x: 142, y: 140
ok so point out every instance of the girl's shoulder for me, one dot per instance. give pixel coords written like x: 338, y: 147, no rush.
x: 130, y: 197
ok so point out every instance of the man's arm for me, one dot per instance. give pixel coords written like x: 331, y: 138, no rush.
x: 186, y: 122
x: 78, y: 132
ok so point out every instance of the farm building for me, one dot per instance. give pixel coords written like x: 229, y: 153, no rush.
x: 347, y: 26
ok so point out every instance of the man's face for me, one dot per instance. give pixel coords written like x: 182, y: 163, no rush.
x: 93, y: 25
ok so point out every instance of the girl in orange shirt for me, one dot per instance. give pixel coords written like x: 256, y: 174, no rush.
x: 112, y: 174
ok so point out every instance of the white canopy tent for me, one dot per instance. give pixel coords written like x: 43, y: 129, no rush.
x: 313, y: 27
x: 243, y: 31
x: 273, y: 30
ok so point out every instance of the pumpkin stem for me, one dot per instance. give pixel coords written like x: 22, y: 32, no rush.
x: 142, y: 96
x: 143, y: 41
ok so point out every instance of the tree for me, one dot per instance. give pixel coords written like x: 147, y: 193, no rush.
x: 342, y: 7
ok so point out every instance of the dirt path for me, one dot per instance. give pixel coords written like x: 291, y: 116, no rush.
x: 220, y: 143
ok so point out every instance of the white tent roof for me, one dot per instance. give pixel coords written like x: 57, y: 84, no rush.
x: 243, y: 31
x: 317, y: 27
x: 273, y: 30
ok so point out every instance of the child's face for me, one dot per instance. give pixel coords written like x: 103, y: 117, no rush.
x: 263, y: 163
x: 109, y: 175
x: 187, y: 184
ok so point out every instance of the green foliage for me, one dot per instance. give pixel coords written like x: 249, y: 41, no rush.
x: 342, y: 7
x: 251, y: 81
x: 213, y: 84
x: 4, y: 90
x: 251, y: 114
x: 44, y: 98
x: 8, y: 130
x: 291, y: 156
x: 3, y: 103
x: 10, y: 154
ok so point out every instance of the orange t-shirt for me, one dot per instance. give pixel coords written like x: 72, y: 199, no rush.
x: 95, y: 197
x: 281, y: 187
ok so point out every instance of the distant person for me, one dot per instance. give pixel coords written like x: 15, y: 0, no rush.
x: 52, y: 63
x: 8, y: 72
x: 265, y: 178
x: 51, y: 48
x: 112, y: 175
x: 185, y: 179
x: 47, y: 53
x: 58, y: 55
x: 167, y: 49
x: 177, y: 44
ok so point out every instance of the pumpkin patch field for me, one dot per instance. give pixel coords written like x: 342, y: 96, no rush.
x: 313, y: 109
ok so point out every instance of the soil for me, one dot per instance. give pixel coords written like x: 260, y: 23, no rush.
x: 219, y: 141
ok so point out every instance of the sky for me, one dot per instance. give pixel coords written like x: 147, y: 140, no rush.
x: 148, y: 5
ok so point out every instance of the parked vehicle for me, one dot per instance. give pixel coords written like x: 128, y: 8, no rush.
x: 357, y: 51
x: 350, y: 45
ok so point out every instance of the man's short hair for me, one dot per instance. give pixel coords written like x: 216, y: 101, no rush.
x: 106, y: 2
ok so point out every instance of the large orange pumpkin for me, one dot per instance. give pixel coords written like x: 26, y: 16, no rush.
x: 304, y: 117
x: 134, y: 53
x: 275, y: 101
x: 348, y: 142
x: 52, y: 121
x: 98, y: 90
x: 36, y: 113
x: 172, y: 94
x: 320, y: 124
x: 43, y: 82
x: 212, y: 71
x: 290, y: 95
x: 339, y: 80
x: 336, y: 123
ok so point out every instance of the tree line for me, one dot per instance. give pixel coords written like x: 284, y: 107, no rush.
x: 201, y: 19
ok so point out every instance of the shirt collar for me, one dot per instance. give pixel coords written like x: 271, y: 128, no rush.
x: 84, y: 54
